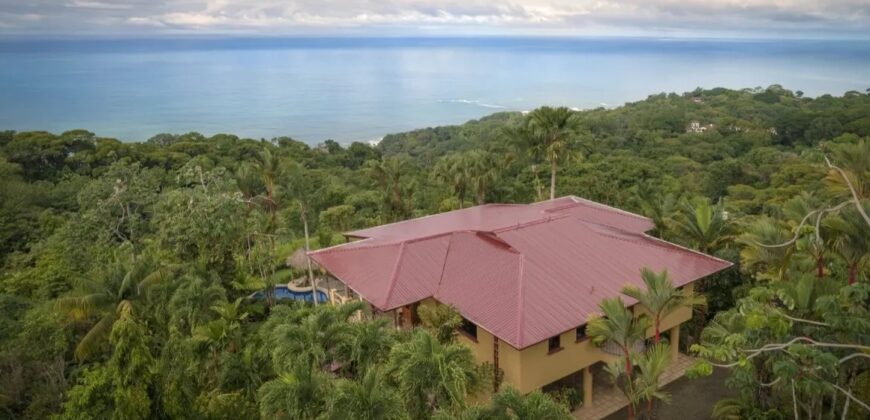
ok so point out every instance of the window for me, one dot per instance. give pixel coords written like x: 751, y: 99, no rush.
x: 581, y: 333
x: 554, y: 344
x: 469, y: 328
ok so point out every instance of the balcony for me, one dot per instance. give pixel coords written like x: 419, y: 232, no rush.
x: 611, y: 347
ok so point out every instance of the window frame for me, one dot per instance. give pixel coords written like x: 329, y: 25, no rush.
x: 580, y: 338
x: 557, y: 340
x: 465, y: 324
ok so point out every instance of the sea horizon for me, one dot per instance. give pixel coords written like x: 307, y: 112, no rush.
x: 315, y: 88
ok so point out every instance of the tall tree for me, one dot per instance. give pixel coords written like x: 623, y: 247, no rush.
x: 661, y: 298
x: 298, y: 393
x: 452, y: 170
x: 701, y: 225
x: 103, y: 299
x: 392, y: 175
x: 511, y: 404
x: 432, y: 375
x: 370, y: 398
x: 483, y: 171
x: 551, y: 132
x: 620, y: 328
x: 851, y: 239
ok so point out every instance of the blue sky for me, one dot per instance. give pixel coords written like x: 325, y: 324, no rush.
x: 714, y: 18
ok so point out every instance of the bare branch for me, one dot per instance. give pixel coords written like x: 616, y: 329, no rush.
x: 783, y: 346
x: 805, y: 321
x: 852, y: 397
x: 819, y: 212
x: 852, y: 356
x: 855, y: 198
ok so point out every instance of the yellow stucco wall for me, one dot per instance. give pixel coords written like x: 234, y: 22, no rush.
x: 534, y: 367
x: 540, y: 367
x: 676, y: 318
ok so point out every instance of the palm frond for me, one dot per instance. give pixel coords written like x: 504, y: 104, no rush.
x: 96, y: 337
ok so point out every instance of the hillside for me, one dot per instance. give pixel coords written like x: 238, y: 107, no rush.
x: 125, y: 268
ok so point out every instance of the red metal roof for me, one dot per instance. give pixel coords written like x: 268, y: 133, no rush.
x: 522, y: 272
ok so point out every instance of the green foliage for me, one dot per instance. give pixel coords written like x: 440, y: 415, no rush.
x: 125, y: 267
x: 441, y: 321
x: 429, y: 374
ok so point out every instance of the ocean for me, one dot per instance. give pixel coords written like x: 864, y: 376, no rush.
x: 359, y: 89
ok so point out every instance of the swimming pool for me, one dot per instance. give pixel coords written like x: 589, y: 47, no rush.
x: 283, y: 292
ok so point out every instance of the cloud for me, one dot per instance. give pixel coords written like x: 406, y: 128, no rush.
x: 84, y: 4
x: 448, y: 16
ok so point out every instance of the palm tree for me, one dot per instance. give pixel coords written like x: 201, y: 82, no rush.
x: 104, y: 300
x: 370, y: 398
x: 299, y: 393
x: 453, y: 171
x: 366, y: 344
x: 661, y: 298
x: 483, y: 169
x: 852, y: 239
x: 619, y: 327
x: 303, y: 195
x: 764, y: 248
x: 809, y: 243
x: 701, y: 225
x: 626, y: 383
x: 432, y: 375
x: 511, y: 404
x: 270, y: 167
x: 248, y: 180
x: 221, y: 333
x: 854, y: 160
x: 440, y: 320
x: 643, y: 384
x: 390, y: 174
x: 657, y: 207
x: 651, y: 365
x: 315, y: 338
x: 550, y: 132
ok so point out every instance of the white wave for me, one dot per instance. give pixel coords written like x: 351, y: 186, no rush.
x: 475, y: 102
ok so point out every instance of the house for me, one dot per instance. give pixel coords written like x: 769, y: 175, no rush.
x: 696, y: 127
x: 525, y: 277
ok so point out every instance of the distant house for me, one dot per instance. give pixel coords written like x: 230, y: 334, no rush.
x: 696, y: 127
x: 526, y: 279
x: 697, y: 100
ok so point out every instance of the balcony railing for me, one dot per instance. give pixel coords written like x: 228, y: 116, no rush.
x: 611, y: 347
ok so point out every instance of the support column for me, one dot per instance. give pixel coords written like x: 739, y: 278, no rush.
x: 495, y: 374
x: 407, y: 317
x: 587, y: 386
x: 675, y: 342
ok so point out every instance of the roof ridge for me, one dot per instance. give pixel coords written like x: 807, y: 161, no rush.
x: 686, y: 249
x: 543, y: 219
x: 339, y: 247
x: 444, y: 264
x: 433, y: 215
x: 395, y: 273
x: 601, y: 206
x: 661, y: 243
x: 520, y: 277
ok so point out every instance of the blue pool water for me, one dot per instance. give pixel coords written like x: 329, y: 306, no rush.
x: 347, y: 89
x: 282, y: 292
